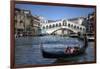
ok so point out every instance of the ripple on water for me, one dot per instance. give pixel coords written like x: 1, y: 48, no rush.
x: 27, y: 50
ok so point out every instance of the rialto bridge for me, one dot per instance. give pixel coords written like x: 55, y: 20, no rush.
x: 62, y: 27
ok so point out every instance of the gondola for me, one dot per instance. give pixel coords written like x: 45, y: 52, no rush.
x: 63, y: 54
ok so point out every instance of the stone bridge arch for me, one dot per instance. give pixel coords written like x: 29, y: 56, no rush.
x: 63, y: 30
x: 50, y: 28
x: 67, y: 30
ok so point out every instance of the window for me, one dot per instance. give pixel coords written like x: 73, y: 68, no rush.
x: 68, y: 25
x: 47, y: 27
x: 72, y: 26
x: 43, y: 27
x: 64, y: 23
x: 21, y: 21
x: 59, y: 24
x: 56, y: 25
x: 80, y: 28
x: 53, y: 25
x: 50, y: 26
x: 83, y: 29
x: 75, y: 27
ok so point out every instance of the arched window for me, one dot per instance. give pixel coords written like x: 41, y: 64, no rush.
x: 83, y: 29
x: 43, y: 27
x: 47, y: 27
x: 75, y: 27
x: 72, y: 25
x: 59, y: 24
x: 50, y: 26
x: 64, y: 23
x: 80, y: 28
x: 56, y: 25
x: 68, y: 25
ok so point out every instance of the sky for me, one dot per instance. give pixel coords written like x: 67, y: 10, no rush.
x: 56, y: 12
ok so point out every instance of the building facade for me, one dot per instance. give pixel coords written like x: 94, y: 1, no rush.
x: 25, y: 23
x: 89, y: 23
x: 35, y: 25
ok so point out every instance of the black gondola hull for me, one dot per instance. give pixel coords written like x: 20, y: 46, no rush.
x: 81, y: 51
x: 59, y: 55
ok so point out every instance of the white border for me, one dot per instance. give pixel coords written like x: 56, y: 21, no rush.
x: 5, y: 34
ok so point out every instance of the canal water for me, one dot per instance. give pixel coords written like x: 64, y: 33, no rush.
x: 28, y: 49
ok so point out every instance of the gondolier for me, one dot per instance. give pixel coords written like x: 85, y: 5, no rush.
x: 68, y: 52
